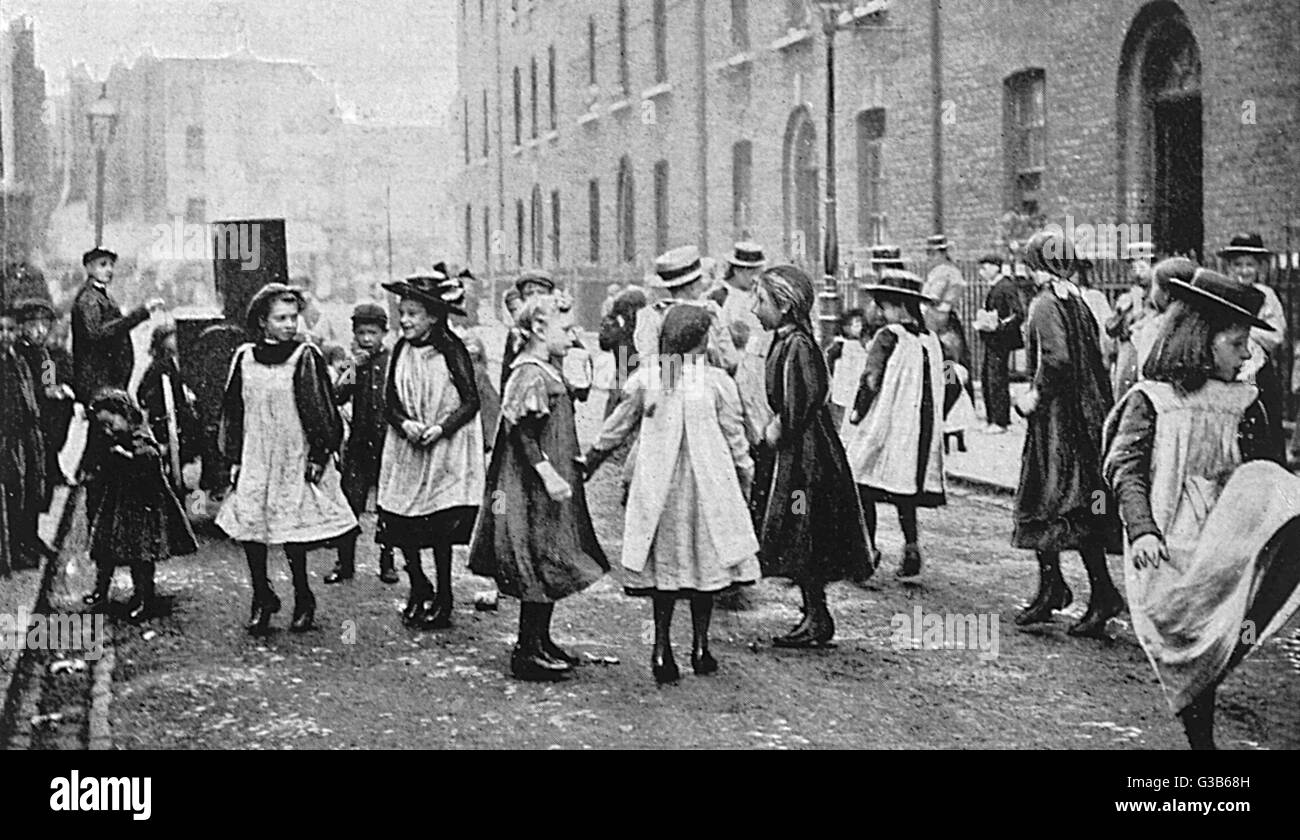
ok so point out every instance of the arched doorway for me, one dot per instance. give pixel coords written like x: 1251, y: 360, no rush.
x: 801, y: 189
x: 1160, y: 130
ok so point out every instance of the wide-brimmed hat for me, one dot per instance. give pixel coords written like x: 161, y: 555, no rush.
x: 1140, y: 251
x: 29, y: 308
x: 445, y: 294
x: 678, y: 267
x: 95, y: 253
x: 896, y: 281
x: 937, y: 242
x: 1246, y: 244
x: 747, y: 255
x: 1210, y: 289
x: 538, y: 276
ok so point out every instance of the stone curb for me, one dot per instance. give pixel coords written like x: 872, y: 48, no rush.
x: 99, y: 732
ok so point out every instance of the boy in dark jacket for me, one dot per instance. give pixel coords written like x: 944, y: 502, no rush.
x: 364, y: 384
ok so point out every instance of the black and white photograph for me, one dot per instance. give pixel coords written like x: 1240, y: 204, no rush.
x: 616, y: 375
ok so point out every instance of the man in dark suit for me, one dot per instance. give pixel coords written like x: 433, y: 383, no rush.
x: 1003, y: 298
x: 102, y: 353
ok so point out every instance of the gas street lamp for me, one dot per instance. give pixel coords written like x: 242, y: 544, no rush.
x: 830, y: 296
x: 102, y: 118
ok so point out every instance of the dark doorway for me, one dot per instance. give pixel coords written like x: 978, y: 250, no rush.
x: 1178, y: 194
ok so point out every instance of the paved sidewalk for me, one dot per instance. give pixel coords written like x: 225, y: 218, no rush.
x: 990, y: 462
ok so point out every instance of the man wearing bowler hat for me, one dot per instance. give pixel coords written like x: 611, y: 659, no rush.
x: 102, y: 353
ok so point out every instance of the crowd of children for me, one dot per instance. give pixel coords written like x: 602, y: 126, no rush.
x: 756, y: 454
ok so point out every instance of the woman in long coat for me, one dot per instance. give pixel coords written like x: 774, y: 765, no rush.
x: 1062, y: 502
x: 812, y: 530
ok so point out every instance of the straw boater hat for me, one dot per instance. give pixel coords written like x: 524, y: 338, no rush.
x: 937, y: 242
x: 538, y: 276
x: 1246, y: 244
x: 445, y: 294
x: 896, y: 281
x: 886, y: 256
x: 678, y: 267
x: 1210, y: 289
x: 747, y: 255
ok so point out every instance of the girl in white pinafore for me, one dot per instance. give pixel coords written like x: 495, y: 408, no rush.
x: 280, y: 427
x: 432, y: 472
x: 1213, y: 524
x: 688, y: 532
x: 893, y: 435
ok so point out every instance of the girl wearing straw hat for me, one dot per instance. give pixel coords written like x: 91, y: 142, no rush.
x: 894, y: 434
x: 1213, y: 556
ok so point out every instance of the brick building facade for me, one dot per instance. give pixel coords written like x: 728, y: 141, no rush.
x: 592, y: 133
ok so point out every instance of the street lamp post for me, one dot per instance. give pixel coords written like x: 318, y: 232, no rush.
x: 830, y: 295
x: 102, y: 117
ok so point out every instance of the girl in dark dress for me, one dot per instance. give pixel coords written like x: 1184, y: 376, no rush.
x: 812, y: 530
x: 137, y: 521
x: 534, y: 534
x: 1062, y: 501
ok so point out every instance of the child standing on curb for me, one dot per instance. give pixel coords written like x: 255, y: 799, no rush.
x: 534, y: 533
x: 688, y: 533
x: 280, y: 430
x: 894, y: 435
x: 431, y: 475
x: 138, y: 521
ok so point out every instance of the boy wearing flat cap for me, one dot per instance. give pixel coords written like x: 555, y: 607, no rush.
x: 364, y: 384
x: 102, y: 353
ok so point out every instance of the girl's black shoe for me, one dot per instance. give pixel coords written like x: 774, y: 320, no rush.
x: 138, y: 610
x: 259, y: 620
x: 703, y: 663
x: 304, y: 614
x: 556, y: 653
x: 532, y: 666
x: 436, y: 614
x: 664, y: 668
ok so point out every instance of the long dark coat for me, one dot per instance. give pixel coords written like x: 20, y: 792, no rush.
x: 1063, y: 501
x: 812, y: 529
x: 22, y: 447
x: 102, y: 355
